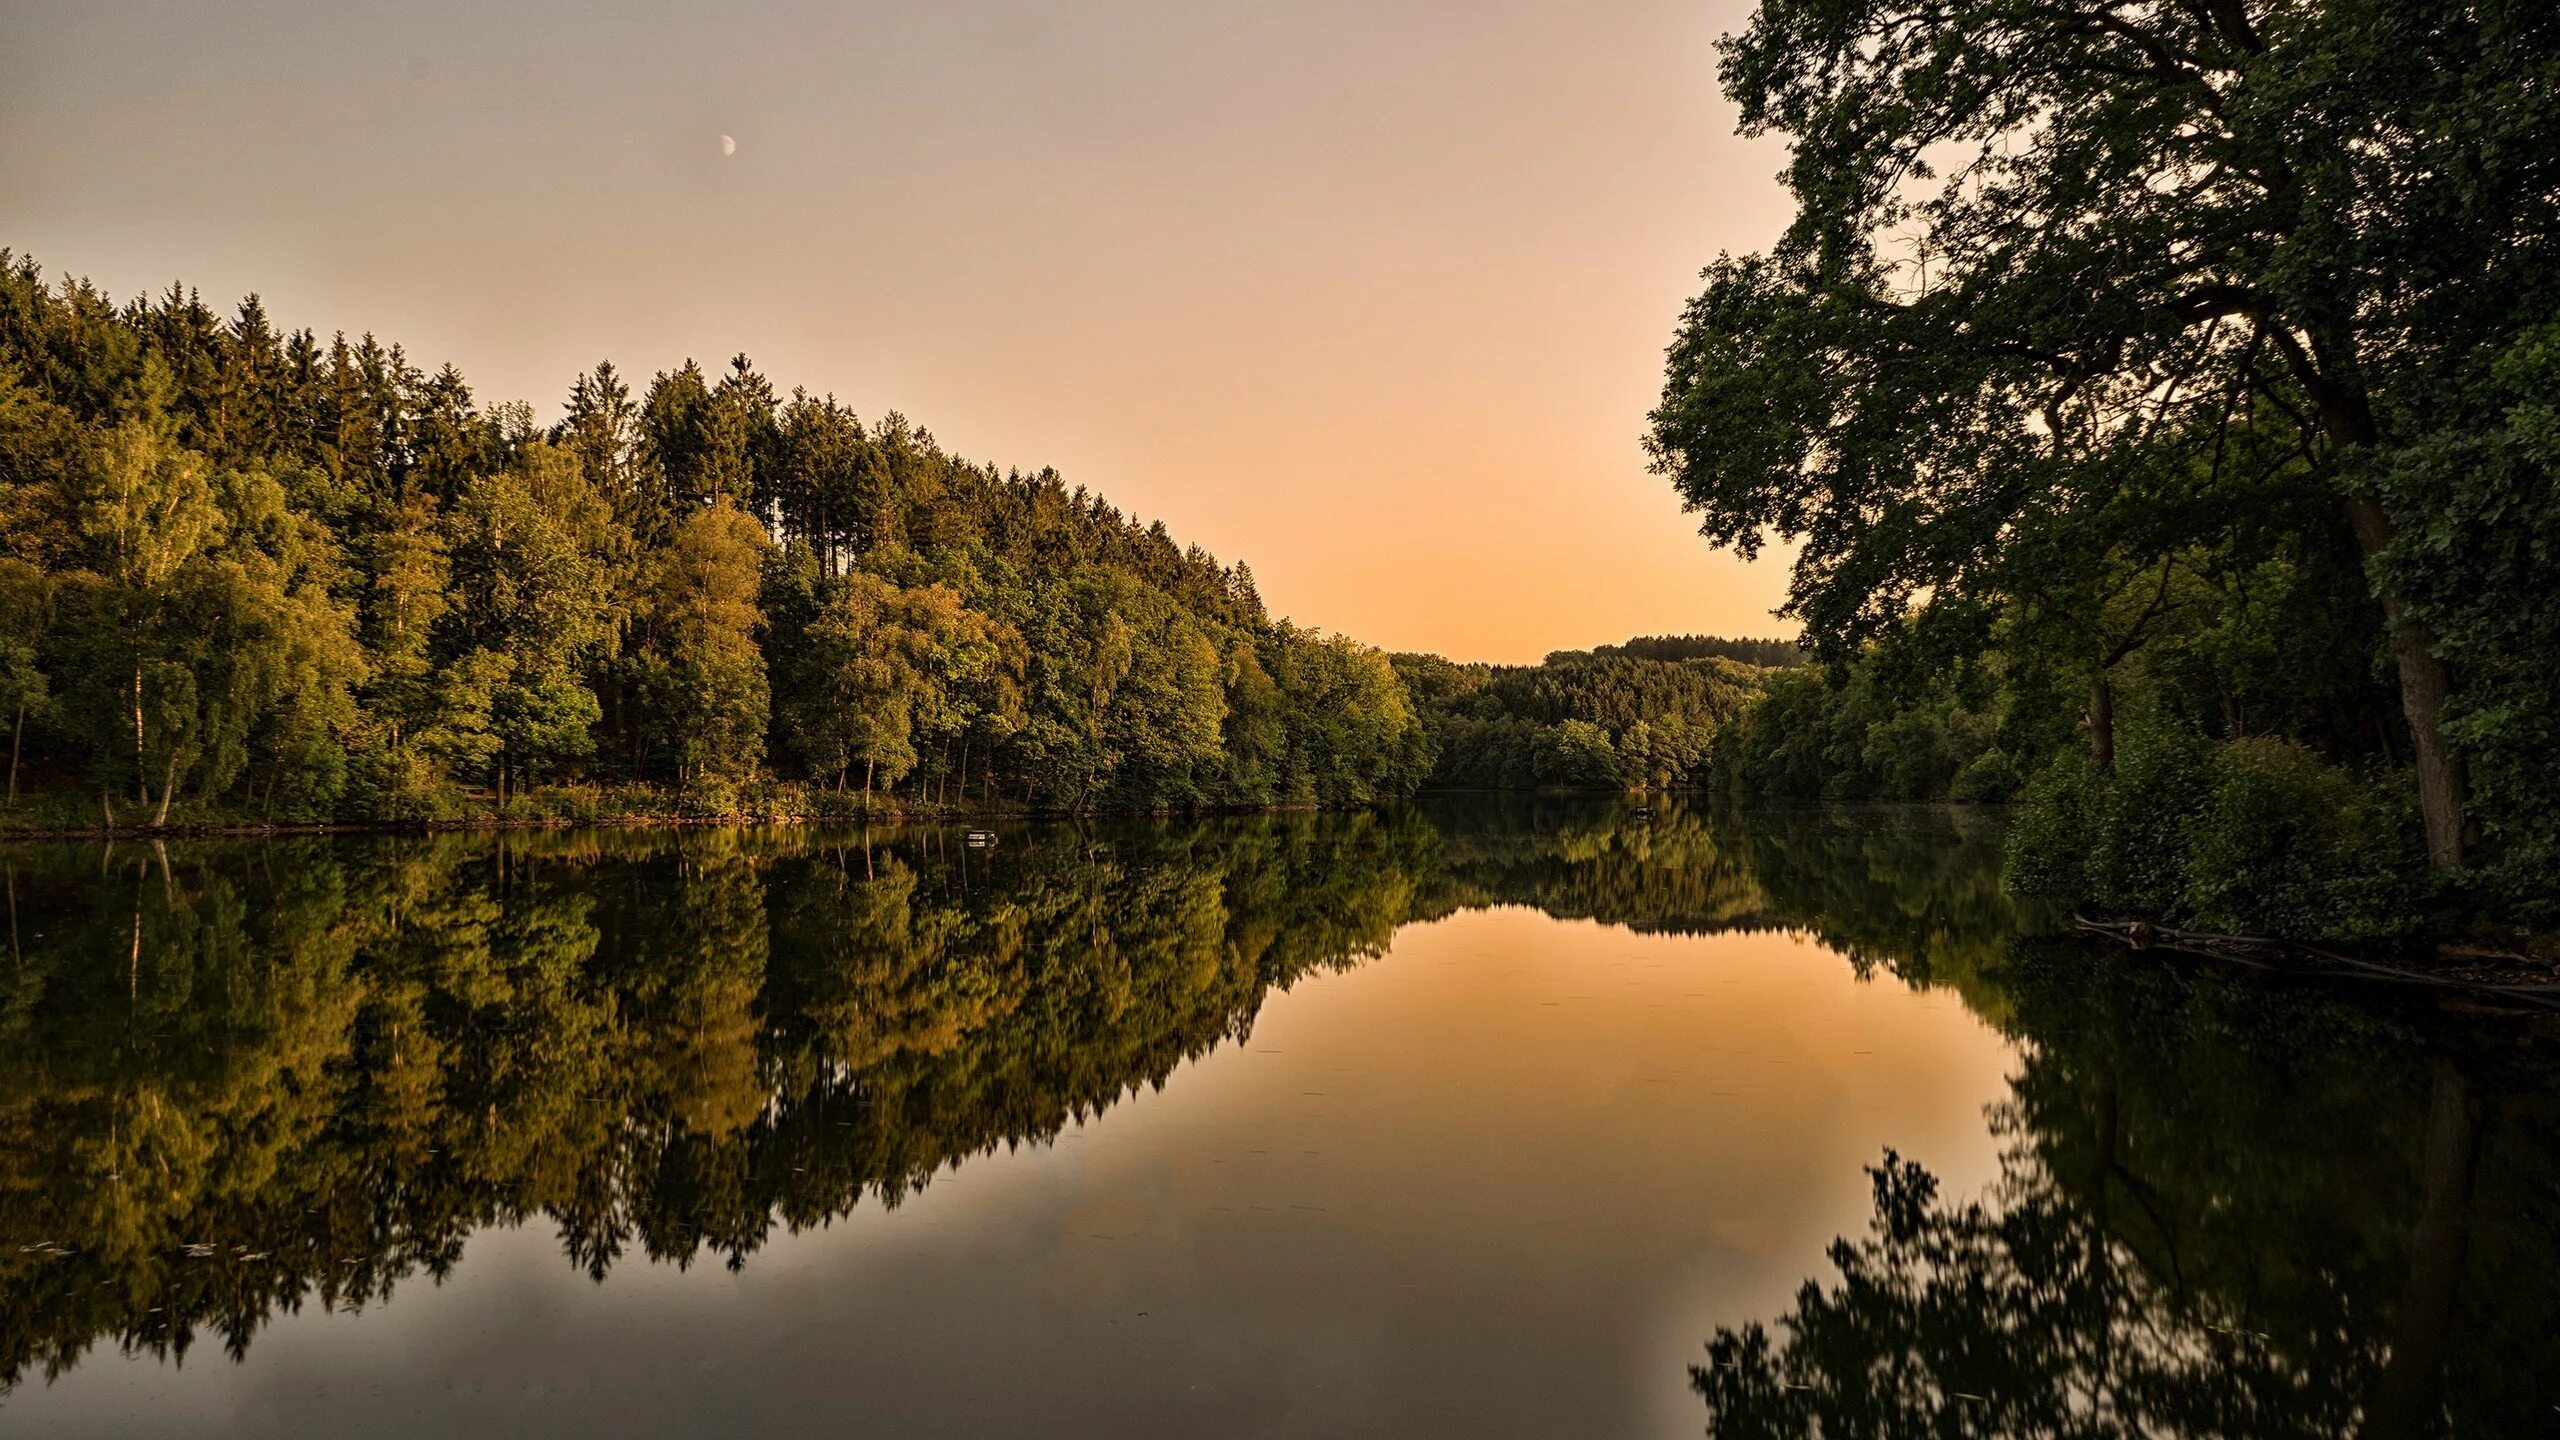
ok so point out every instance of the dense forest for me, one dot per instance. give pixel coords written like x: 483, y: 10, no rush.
x: 248, y: 575
x: 1637, y: 716
x: 2163, y: 401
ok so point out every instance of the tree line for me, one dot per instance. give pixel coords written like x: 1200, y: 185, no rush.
x: 254, y: 575
x: 1637, y: 716
x: 2164, y: 402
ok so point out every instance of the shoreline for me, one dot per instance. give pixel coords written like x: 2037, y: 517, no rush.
x: 12, y: 830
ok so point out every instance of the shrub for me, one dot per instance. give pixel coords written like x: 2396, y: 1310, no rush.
x: 1989, y: 776
x: 2051, y: 835
x: 2145, y: 814
x: 708, y: 797
x: 2292, y: 846
x: 399, y: 785
x: 2255, y: 837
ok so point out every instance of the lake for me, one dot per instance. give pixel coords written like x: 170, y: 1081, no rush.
x: 1539, y: 1118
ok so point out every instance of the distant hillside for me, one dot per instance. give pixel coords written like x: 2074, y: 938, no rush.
x: 1773, y: 654
x: 1641, y: 715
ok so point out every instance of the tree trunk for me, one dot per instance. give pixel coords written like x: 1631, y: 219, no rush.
x: 17, y: 737
x: 2102, y: 722
x: 869, y: 763
x: 168, y: 788
x: 2409, y: 1394
x: 140, y: 781
x: 2424, y: 687
x: 2346, y: 417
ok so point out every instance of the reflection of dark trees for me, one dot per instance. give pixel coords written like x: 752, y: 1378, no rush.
x: 1912, y: 890
x: 2226, y: 1209
x: 1579, y: 858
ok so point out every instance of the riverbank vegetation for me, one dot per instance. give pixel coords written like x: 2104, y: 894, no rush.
x: 258, y: 576
x: 2164, y: 404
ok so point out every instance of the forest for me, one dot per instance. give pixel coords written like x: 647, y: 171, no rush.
x: 249, y: 576
x: 2162, y: 404
x: 1637, y: 716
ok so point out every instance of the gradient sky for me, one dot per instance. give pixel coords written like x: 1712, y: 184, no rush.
x: 1372, y: 295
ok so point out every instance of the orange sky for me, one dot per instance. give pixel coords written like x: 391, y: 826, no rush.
x: 1372, y: 295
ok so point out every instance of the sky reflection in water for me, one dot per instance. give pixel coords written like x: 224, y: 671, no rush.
x: 1477, y: 1119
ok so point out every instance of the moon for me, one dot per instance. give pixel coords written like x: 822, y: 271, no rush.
x: 728, y: 144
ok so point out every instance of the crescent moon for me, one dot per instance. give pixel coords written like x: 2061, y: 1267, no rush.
x: 728, y: 144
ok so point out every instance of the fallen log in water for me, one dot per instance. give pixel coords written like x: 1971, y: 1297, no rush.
x: 2504, y: 978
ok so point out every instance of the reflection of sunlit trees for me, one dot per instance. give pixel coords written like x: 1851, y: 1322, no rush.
x: 171, y: 1051
x: 252, y: 1076
x: 248, y: 1077
x: 2224, y: 1211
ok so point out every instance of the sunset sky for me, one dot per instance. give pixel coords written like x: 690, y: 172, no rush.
x: 1372, y: 295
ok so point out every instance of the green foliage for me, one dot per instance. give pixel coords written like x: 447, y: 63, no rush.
x: 1352, y: 736
x: 2479, y: 570
x: 2186, y: 362
x: 1637, y: 716
x: 2290, y: 846
x: 2252, y: 837
x: 248, y: 576
x: 1873, y: 732
x: 714, y: 704
x: 2052, y: 843
x: 1767, y: 654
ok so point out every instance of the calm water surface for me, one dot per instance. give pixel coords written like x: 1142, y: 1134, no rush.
x: 1531, y: 1119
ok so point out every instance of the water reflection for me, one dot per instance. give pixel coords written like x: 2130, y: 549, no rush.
x: 249, y: 1075
x: 2224, y: 1209
x: 248, y: 1078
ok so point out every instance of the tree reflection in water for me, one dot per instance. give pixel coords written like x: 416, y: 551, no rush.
x: 2226, y: 1209
x: 247, y: 1077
